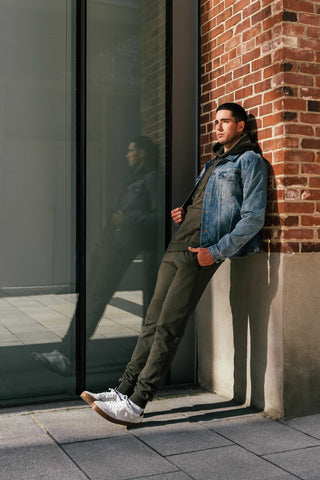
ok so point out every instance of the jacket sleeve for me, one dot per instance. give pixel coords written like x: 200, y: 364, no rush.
x: 252, y: 212
x: 147, y: 218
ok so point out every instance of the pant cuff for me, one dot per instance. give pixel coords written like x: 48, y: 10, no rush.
x: 125, y: 388
x: 141, y: 402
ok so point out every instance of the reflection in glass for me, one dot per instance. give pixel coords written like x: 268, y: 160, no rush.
x: 125, y: 176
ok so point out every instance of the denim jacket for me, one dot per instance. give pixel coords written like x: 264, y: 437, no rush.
x: 234, y: 205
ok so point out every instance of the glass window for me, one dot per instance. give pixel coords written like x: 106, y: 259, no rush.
x: 126, y: 80
x: 37, y: 254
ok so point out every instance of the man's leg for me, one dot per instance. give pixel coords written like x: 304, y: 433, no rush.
x: 166, y: 274
x: 180, y: 284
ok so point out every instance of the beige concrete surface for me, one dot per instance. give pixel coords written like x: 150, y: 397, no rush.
x: 258, y: 327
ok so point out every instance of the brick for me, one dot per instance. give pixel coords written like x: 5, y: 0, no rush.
x: 288, y: 16
x: 284, y: 168
x: 265, y: 110
x: 289, y: 181
x: 272, y: 119
x: 310, y: 143
x: 309, y: 19
x: 298, y: 129
x: 310, y: 43
x: 295, y: 207
x: 287, y: 53
x: 289, y: 221
x: 286, y: 142
x: 299, y: 156
x: 278, y: 130
x: 313, y: 32
x: 293, y: 29
x: 310, y: 68
x: 310, y: 247
x: 288, y: 116
x: 310, y: 220
x: 311, y: 117
x: 297, y: 234
x: 312, y: 93
x: 310, y: 195
x: 291, y: 104
x: 310, y: 168
x: 298, y: 5
x: 297, y: 79
x: 314, y: 182
x: 313, y: 106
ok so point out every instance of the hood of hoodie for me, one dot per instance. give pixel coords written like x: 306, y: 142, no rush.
x: 242, y: 145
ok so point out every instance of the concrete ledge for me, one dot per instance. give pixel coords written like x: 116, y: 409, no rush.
x: 258, y: 333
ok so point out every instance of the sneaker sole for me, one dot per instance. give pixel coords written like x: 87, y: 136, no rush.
x: 87, y: 398
x: 114, y: 420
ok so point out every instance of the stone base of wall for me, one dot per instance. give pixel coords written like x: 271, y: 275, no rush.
x: 258, y: 333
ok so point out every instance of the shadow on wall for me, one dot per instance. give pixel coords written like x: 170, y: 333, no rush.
x: 253, y: 285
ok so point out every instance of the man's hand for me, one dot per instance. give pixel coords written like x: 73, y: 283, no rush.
x: 204, y: 257
x: 177, y: 215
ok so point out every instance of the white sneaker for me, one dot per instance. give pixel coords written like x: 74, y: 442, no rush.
x: 54, y: 361
x: 123, y: 412
x: 111, y: 396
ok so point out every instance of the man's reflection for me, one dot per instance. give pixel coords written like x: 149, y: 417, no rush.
x: 130, y: 230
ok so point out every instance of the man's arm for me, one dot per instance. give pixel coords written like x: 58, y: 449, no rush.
x: 254, y: 180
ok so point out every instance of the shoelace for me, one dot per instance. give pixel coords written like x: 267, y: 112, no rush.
x: 113, y: 390
x: 119, y: 405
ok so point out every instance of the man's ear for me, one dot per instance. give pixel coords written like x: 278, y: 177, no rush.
x: 241, y: 126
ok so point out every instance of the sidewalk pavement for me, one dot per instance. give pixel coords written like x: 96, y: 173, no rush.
x: 185, y: 435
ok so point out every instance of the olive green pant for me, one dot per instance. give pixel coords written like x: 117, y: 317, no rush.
x: 180, y: 284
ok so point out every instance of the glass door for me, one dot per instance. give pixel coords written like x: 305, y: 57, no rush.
x: 126, y: 92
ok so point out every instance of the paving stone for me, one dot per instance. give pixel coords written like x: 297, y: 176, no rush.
x: 305, y: 462
x: 170, y: 435
x: 309, y: 425
x: 117, y: 458
x: 262, y: 435
x: 78, y: 424
x: 36, y: 458
x: 17, y: 426
x: 232, y: 463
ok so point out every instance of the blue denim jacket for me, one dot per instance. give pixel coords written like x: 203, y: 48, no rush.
x: 234, y: 205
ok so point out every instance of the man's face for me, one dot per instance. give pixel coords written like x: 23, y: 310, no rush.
x: 132, y: 155
x: 227, y: 129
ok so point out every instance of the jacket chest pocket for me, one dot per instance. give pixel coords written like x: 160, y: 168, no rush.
x: 228, y: 182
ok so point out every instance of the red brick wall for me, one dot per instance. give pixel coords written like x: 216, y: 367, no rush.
x: 265, y: 55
